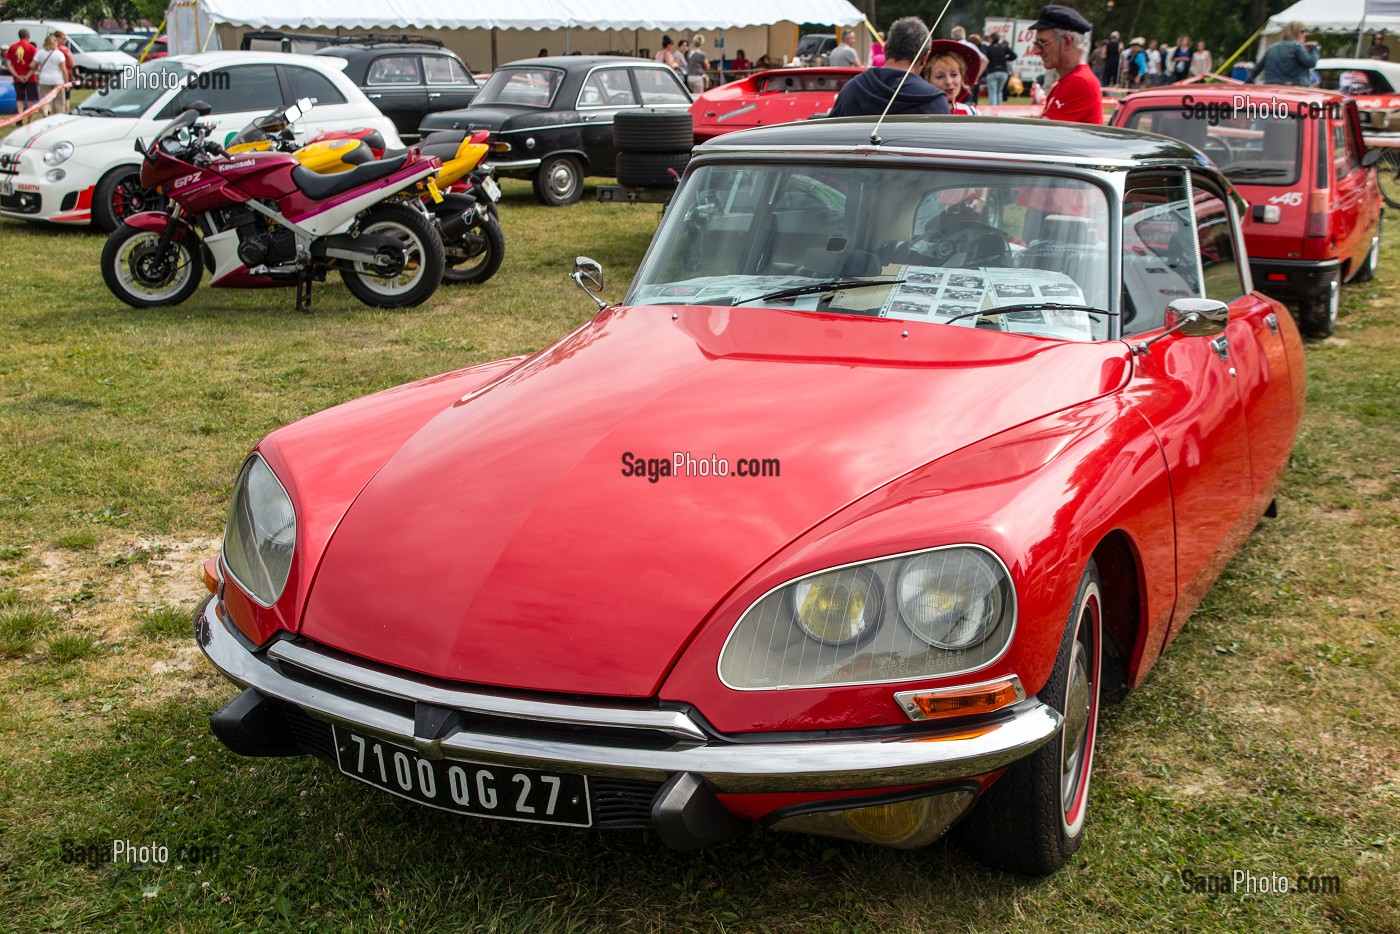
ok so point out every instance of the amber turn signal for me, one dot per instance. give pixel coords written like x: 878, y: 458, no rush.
x: 211, y: 575
x: 961, y: 700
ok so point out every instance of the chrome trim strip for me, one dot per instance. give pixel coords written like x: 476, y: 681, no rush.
x: 519, y: 164
x: 887, y: 150
x: 792, y: 765
x: 672, y: 722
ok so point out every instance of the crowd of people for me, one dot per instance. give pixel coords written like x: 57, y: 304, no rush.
x: 39, y: 71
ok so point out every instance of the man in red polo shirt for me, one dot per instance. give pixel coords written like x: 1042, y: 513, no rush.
x: 1077, y: 96
x: 20, y: 58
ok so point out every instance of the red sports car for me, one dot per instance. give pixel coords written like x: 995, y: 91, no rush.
x: 1297, y: 156
x: 895, y: 463
x: 767, y: 98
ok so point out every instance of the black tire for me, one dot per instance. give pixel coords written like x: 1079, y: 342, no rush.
x: 1372, y: 263
x: 1317, y: 316
x: 475, y: 257
x: 1388, y: 172
x: 422, y: 261
x: 1031, y: 820
x: 650, y: 169
x: 653, y: 131
x: 137, y: 276
x: 559, y: 180
x: 118, y: 195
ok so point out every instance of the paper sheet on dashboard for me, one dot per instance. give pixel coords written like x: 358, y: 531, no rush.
x: 946, y: 294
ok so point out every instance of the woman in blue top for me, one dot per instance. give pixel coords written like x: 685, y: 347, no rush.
x: 1290, y: 61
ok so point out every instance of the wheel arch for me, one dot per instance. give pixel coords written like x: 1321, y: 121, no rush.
x: 1121, y: 575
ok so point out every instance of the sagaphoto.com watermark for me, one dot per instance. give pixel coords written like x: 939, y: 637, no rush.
x: 1256, y: 107
x: 140, y: 853
x: 686, y: 464
x: 1247, y: 882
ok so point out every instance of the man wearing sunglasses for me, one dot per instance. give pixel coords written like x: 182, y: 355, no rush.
x: 1059, y: 38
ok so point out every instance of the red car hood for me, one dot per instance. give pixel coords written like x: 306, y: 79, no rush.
x: 503, y: 544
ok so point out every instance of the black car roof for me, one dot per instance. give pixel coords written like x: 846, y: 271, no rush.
x: 999, y: 137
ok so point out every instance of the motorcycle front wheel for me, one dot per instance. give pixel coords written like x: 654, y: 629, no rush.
x: 137, y: 273
x: 414, y: 271
x: 476, y: 255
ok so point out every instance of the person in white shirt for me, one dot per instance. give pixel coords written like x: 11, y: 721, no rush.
x: 53, y: 73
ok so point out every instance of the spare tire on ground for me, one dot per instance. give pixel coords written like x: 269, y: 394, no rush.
x: 650, y: 169
x: 653, y: 131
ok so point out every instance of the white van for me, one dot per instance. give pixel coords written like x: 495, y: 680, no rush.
x: 92, y: 54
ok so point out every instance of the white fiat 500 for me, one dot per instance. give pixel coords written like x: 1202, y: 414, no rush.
x: 83, y: 167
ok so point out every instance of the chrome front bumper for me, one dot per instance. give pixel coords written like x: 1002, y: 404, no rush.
x: 417, y: 712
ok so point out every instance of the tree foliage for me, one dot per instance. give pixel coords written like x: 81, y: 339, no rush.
x: 91, y: 12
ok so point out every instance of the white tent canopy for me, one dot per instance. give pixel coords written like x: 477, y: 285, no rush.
x: 522, y: 14
x: 1338, y: 15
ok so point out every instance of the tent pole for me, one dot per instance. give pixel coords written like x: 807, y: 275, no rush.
x: 1360, y: 28
x: 493, y: 48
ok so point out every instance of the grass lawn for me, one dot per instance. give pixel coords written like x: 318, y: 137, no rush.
x: 1267, y: 740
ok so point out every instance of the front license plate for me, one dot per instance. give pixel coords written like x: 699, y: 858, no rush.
x: 497, y: 791
x: 7, y: 187
x: 493, y: 191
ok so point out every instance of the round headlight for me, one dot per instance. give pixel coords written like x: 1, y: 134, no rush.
x: 58, y: 153
x: 953, y: 598
x: 839, y: 606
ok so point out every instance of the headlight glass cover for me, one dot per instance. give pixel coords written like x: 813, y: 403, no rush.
x: 58, y: 153
x: 914, y: 616
x: 261, y: 532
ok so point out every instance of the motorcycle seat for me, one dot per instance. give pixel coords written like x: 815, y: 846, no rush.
x: 320, y: 187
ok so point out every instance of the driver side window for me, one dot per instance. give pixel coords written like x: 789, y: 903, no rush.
x: 1159, y: 249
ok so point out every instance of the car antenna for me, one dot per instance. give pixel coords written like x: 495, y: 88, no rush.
x: 875, y: 133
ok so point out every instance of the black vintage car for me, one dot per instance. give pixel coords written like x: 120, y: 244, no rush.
x: 407, y: 81
x: 556, y: 116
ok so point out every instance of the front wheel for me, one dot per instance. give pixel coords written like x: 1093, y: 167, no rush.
x: 1388, y: 172
x: 411, y: 270
x: 476, y: 255
x: 1031, y: 820
x: 139, y: 274
x: 559, y: 181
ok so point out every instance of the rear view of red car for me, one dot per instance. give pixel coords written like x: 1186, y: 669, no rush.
x: 1297, y: 156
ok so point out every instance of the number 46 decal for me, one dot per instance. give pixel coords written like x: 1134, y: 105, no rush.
x: 1290, y: 198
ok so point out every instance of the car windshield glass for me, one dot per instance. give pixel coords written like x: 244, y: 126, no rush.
x: 1255, y: 144
x: 530, y: 87
x: 87, y: 42
x: 919, y: 244
x: 133, y: 92
x: 1354, y: 81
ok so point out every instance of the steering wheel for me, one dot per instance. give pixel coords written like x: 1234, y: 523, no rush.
x: 962, y: 243
x: 1219, y: 151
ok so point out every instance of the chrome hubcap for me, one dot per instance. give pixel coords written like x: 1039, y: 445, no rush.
x: 1077, y: 709
x: 561, y: 179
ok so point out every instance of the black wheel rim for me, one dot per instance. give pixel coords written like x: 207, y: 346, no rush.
x: 129, y: 197
x: 1389, y: 174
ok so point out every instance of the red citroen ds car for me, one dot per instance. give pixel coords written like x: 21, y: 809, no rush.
x: 1297, y: 156
x: 895, y: 463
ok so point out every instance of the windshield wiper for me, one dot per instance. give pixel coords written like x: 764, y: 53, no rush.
x: 93, y: 108
x: 1031, y: 306
x: 830, y: 285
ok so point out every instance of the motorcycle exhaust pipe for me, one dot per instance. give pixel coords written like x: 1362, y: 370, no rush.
x: 455, y: 215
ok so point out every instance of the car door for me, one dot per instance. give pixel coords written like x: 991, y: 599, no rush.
x: 449, y: 85
x: 235, y: 96
x: 604, y: 92
x: 394, y: 83
x: 1261, y: 345
x: 1361, y: 187
x: 1183, y: 386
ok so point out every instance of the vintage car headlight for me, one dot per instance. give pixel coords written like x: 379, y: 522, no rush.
x: 58, y: 153
x: 261, y: 532
x: 922, y: 615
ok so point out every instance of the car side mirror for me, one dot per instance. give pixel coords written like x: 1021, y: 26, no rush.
x: 588, y: 272
x: 1370, y: 157
x: 1194, y: 317
x: 1199, y: 317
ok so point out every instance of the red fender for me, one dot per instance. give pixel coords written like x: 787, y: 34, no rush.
x: 156, y: 220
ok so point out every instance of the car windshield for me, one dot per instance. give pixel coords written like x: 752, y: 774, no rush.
x: 529, y: 87
x: 1354, y: 81
x: 133, y: 93
x: 87, y: 42
x: 1253, y: 145
x: 947, y: 246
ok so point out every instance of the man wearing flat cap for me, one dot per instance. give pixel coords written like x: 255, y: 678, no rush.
x: 1077, y: 96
